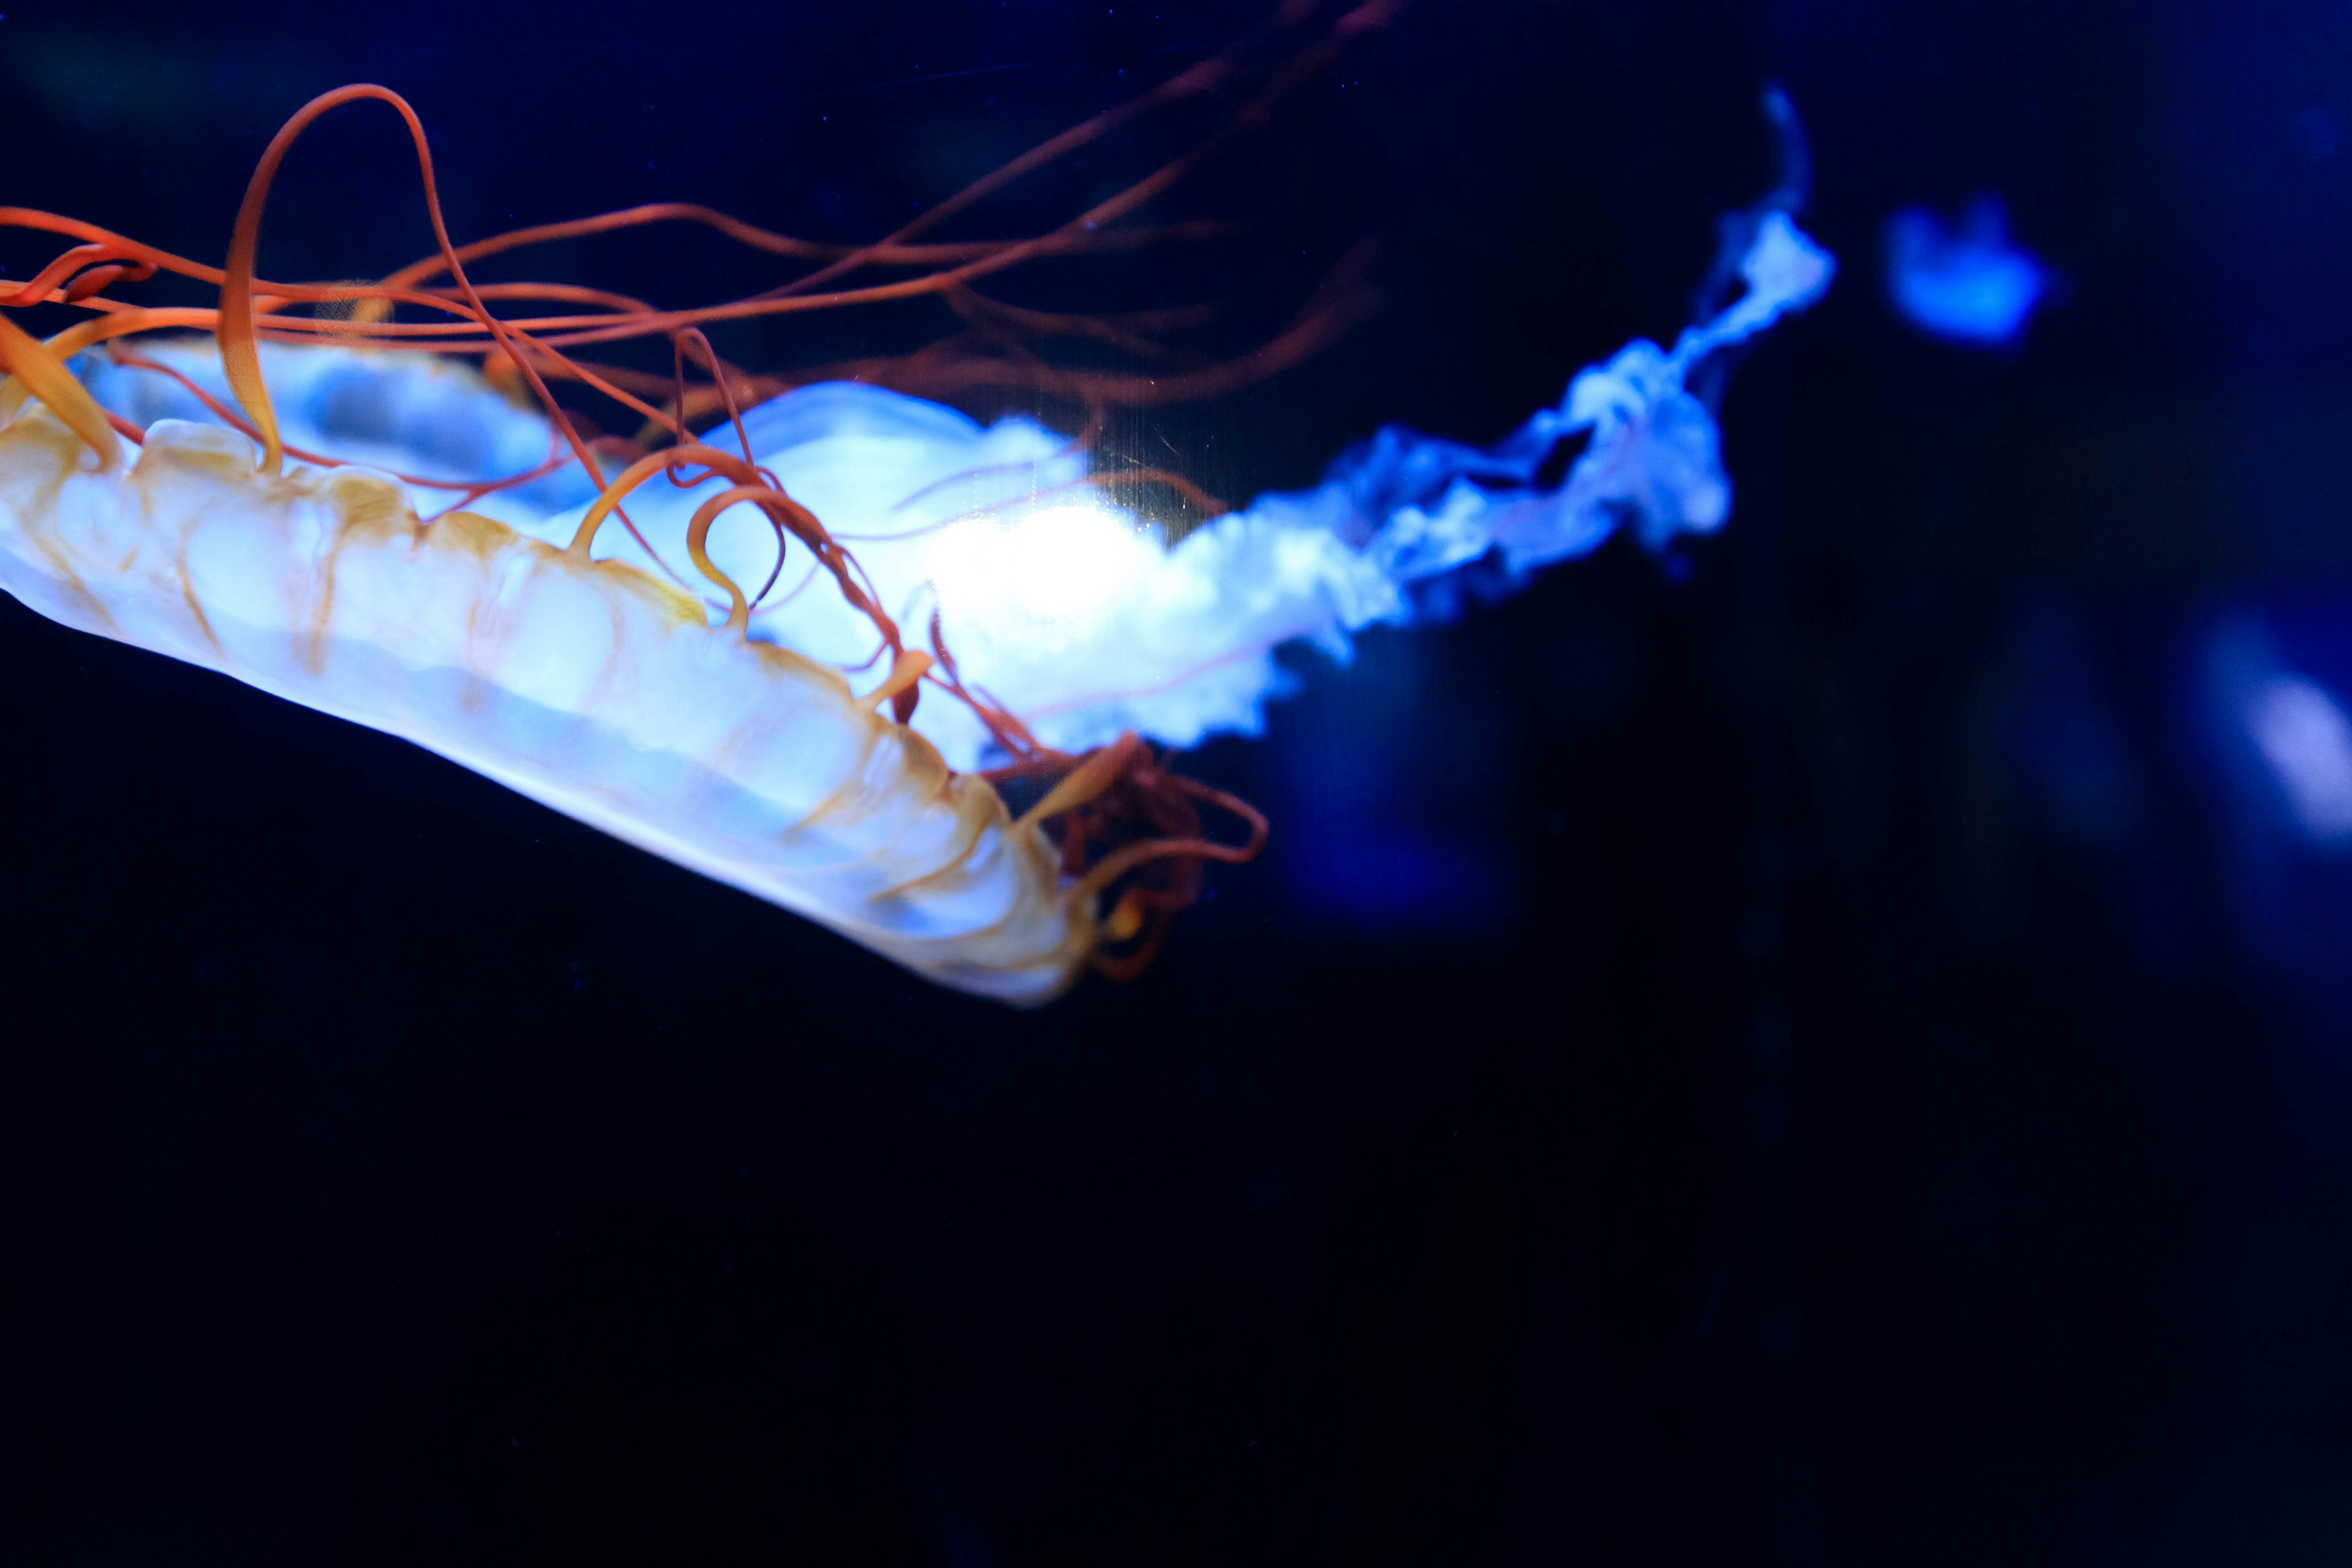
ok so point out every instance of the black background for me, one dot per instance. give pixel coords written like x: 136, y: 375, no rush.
x: 1683, y: 1086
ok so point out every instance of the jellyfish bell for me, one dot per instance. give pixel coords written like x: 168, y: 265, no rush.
x: 803, y: 650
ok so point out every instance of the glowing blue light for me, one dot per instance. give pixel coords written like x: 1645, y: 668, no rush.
x: 2285, y: 735
x: 1396, y: 882
x: 2301, y: 733
x: 1969, y: 284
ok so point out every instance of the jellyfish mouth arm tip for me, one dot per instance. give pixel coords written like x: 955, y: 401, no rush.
x: 589, y: 687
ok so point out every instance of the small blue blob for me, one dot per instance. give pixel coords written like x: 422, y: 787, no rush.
x: 1968, y: 284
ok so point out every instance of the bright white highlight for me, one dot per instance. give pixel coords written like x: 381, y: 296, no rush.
x: 1049, y: 578
x: 2306, y: 740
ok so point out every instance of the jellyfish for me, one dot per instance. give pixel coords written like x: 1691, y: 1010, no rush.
x: 1966, y: 284
x: 815, y: 648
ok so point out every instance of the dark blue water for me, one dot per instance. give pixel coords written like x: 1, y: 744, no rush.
x: 1831, y: 1049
